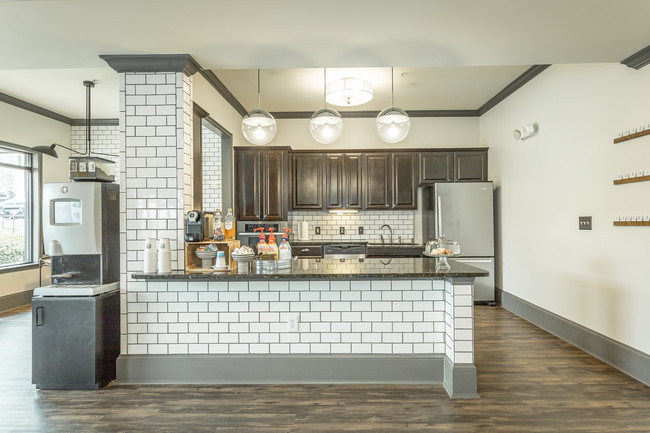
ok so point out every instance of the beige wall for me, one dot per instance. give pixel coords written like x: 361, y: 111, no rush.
x: 22, y: 127
x: 600, y: 278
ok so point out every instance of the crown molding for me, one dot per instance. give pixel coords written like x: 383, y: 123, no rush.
x: 216, y: 83
x: 639, y: 59
x: 95, y: 122
x: 511, y: 88
x: 34, y: 108
x: 152, y: 63
x: 374, y: 114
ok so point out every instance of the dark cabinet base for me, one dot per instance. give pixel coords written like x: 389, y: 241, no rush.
x: 75, y: 341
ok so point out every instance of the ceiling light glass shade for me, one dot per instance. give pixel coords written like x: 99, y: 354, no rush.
x: 347, y: 92
x: 392, y: 125
x: 326, y: 126
x: 259, y: 127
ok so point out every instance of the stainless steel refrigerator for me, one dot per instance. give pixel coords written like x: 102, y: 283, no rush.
x: 464, y: 212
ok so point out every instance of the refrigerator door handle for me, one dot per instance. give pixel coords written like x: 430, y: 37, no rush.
x: 39, y: 316
x: 439, y: 217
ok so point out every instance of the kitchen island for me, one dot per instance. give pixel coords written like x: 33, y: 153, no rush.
x: 371, y: 320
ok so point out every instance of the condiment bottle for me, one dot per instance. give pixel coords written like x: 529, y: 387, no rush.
x: 218, y: 226
x: 229, y: 225
x: 271, y: 247
x: 284, y: 250
x: 261, y: 244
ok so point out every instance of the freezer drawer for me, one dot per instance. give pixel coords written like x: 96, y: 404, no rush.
x: 483, y: 286
x: 75, y: 341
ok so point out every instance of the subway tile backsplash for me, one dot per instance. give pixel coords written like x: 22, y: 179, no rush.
x: 401, y: 222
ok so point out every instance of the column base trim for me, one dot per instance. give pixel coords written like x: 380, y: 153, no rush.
x: 460, y: 380
x: 630, y: 361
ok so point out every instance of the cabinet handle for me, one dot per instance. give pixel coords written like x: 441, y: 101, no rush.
x: 304, y: 250
x: 39, y: 316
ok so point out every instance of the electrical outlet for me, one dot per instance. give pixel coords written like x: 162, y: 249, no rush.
x: 293, y: 321
x: 584, y: 223
x: 360, y: 230
x: 341, y: 230
x: 317, y: 230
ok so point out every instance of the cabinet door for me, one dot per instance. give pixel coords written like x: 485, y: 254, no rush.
x: 353, y: 184
x: 404, y: 194
x: 435, y: 167
x: 275, y: 194
x: 334, y: 181
x: 307, y: 181
x: 376, y: 180
x: 248, y: 176
x: 470, y: 166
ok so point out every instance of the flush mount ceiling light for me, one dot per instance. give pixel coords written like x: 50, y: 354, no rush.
x: 258, y: 126
x: 326, y: 124
x: 348, y: 92
x: 392, y: 124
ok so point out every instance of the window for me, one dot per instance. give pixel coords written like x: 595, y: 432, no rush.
x: 19, y: 181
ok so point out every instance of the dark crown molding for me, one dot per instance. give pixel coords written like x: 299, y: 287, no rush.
x: 373, y: 114
x: 223, y: 91
x: 95, y: 122
x: 199, y: 111
x: 152, y: 63
x: 639, y: 59
x: 511, y: 88
x: 34, y: 108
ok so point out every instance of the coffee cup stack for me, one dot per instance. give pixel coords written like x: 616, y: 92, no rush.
x: 150, y: 255
x: 164, y: 256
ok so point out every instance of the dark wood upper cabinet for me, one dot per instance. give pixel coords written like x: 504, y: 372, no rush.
x: 435, y: 167
x: 404, y: 175
x: 343, y: 181
x: 307, y: 181
x: 262, y: 184
x: 470, y: 166
x: 377, y: 185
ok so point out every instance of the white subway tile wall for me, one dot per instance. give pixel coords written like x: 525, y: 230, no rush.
x: 459, y: 323
x: 401, y: 222
x: 379, y: 316
x: 155, y: 172
x: 211, y: 167
x: 103, y: 139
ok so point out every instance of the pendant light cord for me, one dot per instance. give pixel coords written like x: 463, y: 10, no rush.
x: 325, y: 87
x: 259, y: 99
x: 392, y: 87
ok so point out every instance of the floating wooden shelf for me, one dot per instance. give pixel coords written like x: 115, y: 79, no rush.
x: 631, y: 179
x: 631, y: 136
x: 632, y: 223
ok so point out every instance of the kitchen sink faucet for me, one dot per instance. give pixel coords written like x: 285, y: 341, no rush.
x: 381, y: 236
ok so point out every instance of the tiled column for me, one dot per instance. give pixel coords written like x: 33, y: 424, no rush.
x: 155, y: 161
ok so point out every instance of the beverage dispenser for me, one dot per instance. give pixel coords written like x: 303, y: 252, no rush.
x: 81, y: 231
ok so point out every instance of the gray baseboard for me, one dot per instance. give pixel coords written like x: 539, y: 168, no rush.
x: 460, y: 380
x: 630, y: 361
x: 284, y: 369
x: 15, y: 300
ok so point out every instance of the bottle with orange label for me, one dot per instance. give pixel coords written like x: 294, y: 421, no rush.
x: 261, y: 244
x: 229, y: 226
x: 271, y: 252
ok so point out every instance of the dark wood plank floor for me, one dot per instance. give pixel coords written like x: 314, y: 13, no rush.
x: 529, y: 381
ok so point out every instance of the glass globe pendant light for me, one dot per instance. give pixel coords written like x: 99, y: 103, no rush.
x: 392, y: 124
x: 326, y: 124
x: 258, y: 126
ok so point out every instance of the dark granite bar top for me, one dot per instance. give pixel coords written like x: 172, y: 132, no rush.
x: 368, y: 268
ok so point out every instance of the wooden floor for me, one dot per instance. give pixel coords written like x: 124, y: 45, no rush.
x: 529, y: 381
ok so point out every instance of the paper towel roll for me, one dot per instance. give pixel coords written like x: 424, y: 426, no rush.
x: 304, y: 231
x: 150, y: 256
x: 164, y: 256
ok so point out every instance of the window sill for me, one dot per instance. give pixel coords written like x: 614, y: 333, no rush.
x: 18, y: 268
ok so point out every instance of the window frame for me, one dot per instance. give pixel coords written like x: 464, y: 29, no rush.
x: 32, y: 207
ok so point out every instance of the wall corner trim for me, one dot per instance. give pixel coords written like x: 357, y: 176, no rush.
x: 639, y: 59
x: 152, y: 63
x: 630, y: 361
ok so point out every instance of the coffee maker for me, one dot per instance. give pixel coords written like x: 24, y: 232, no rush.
x: 194, y: 226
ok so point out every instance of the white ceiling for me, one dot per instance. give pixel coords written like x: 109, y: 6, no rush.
x: 469, y: 49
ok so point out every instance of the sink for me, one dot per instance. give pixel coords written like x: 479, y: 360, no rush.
x: 394, y: 250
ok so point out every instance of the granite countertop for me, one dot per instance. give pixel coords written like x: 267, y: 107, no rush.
x: 366, y: 243
x: 368, y: 268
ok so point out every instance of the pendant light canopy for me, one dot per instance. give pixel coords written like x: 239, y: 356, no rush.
x: 392, y: 124
x: 258, y: 126
x: 326, y: 124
